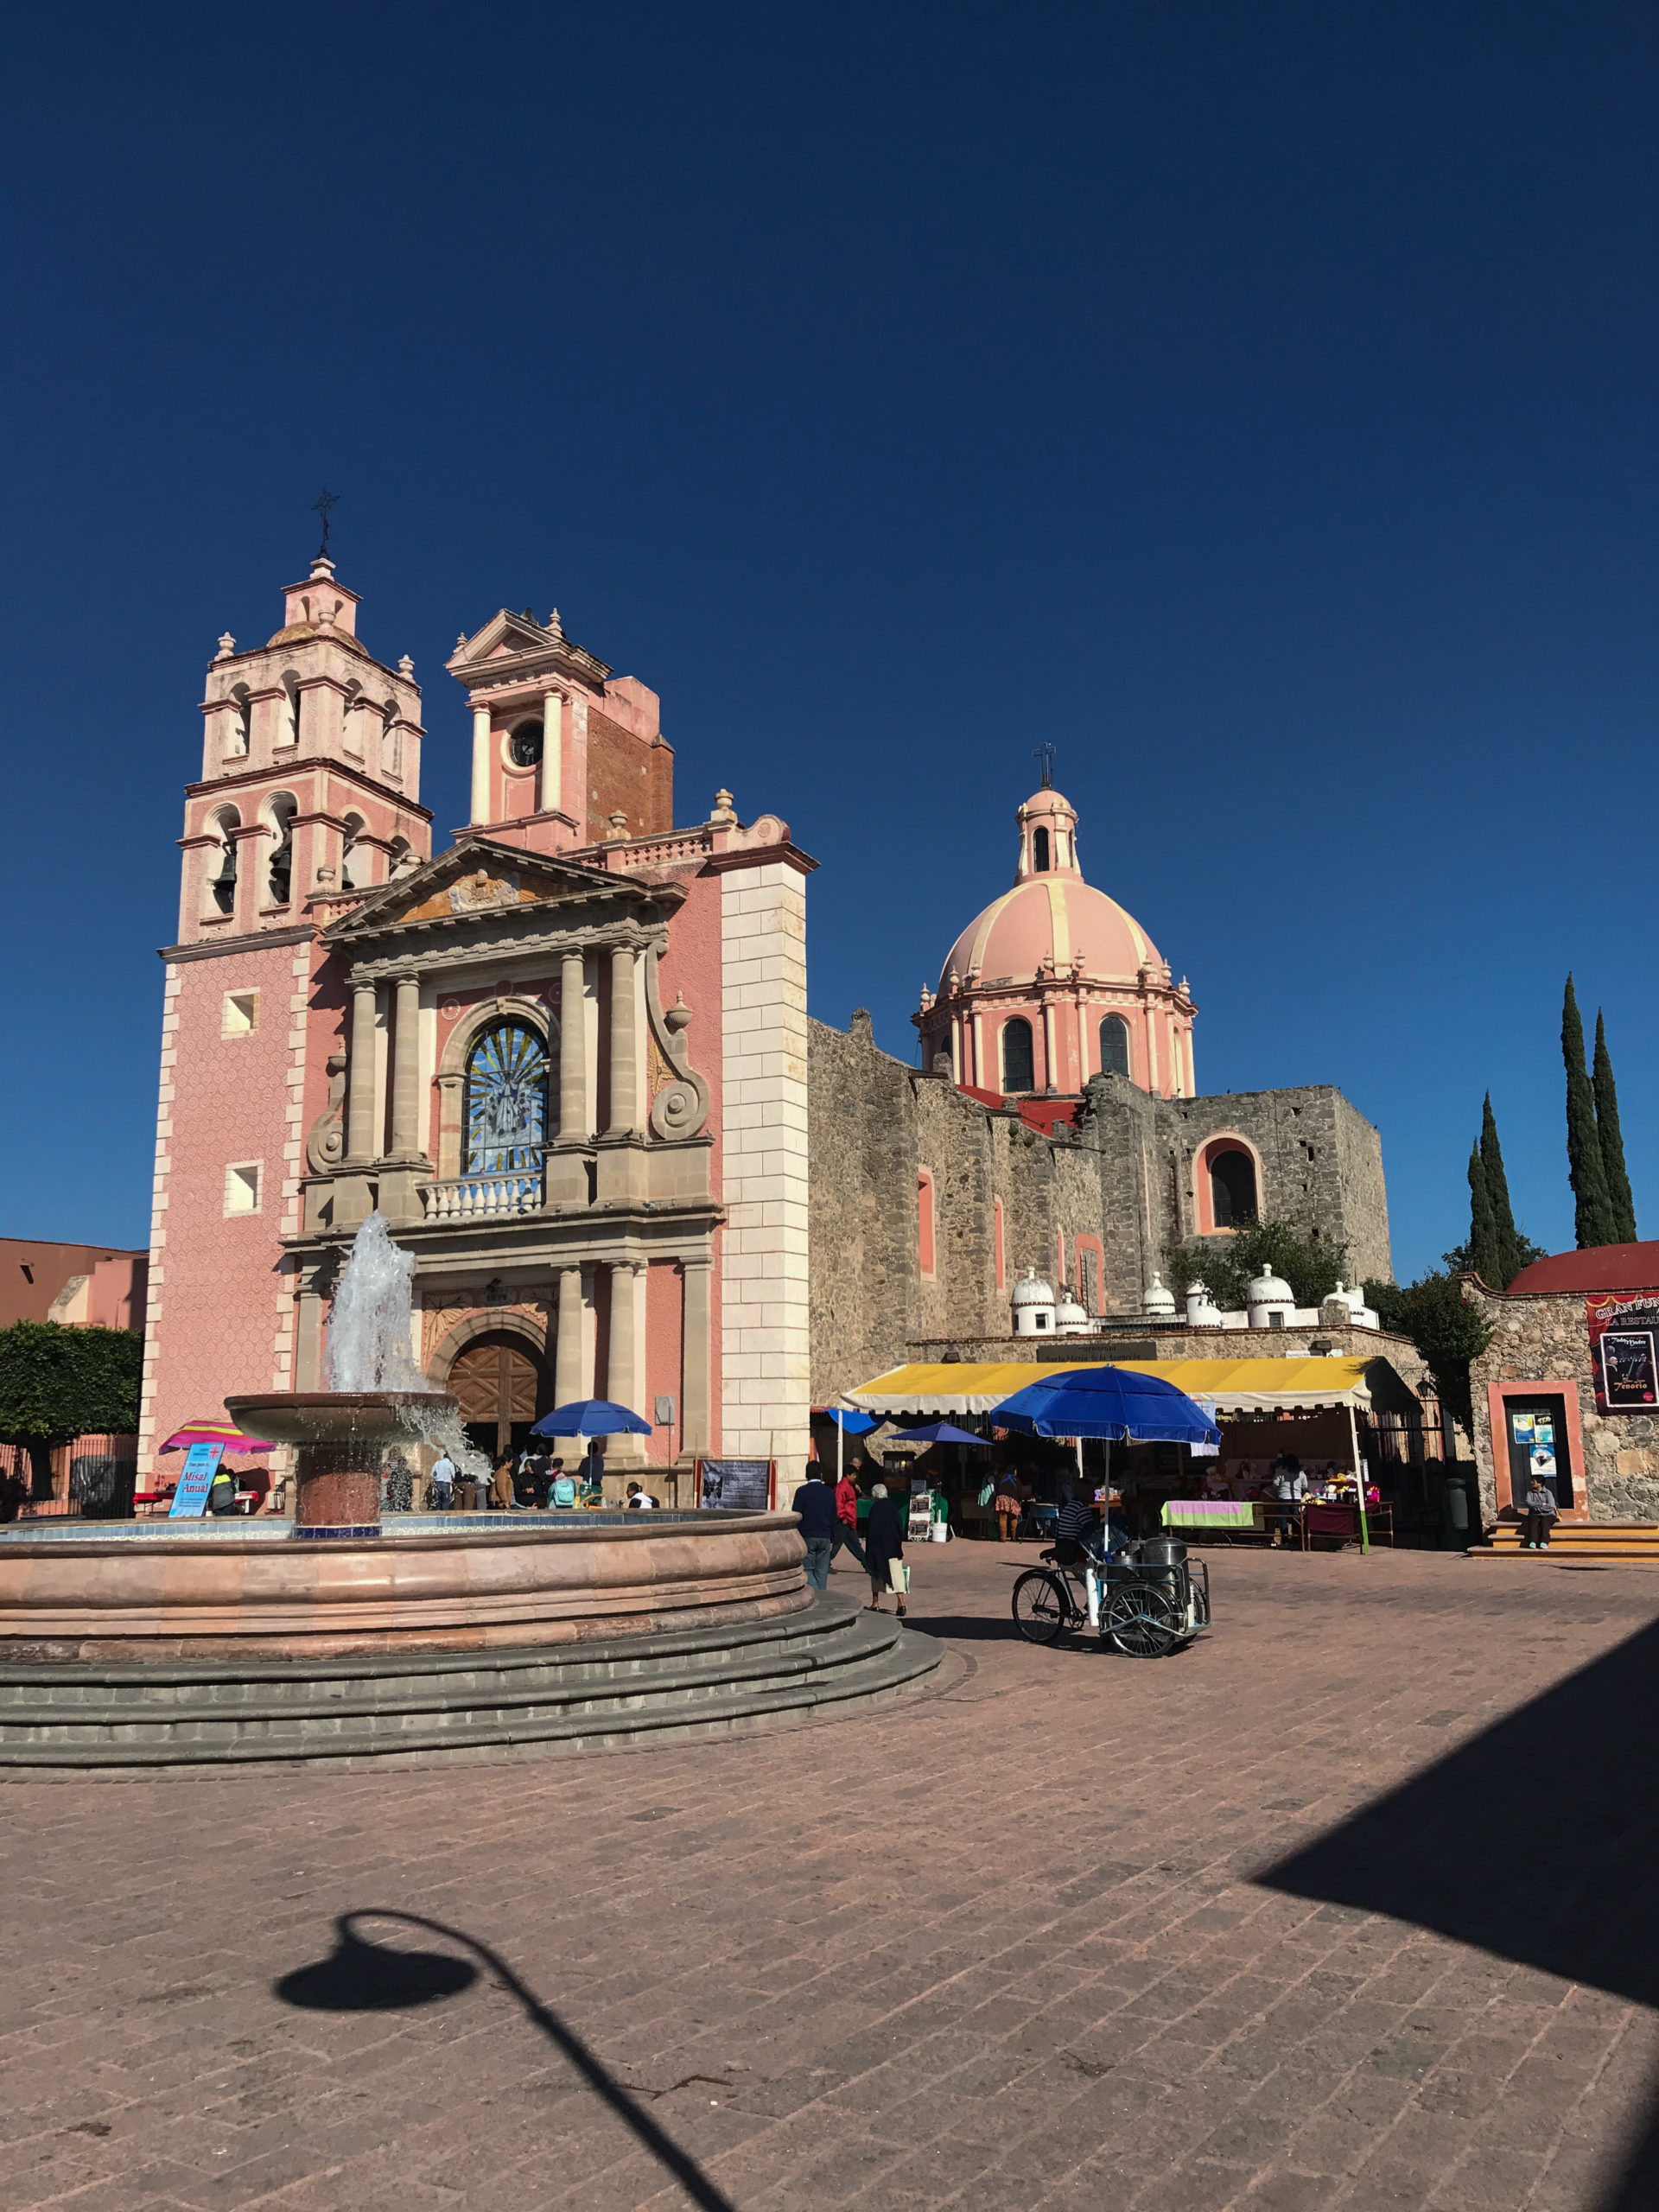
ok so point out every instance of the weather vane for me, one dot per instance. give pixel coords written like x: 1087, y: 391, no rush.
x: 1044, y: 752
x: 329, y: 500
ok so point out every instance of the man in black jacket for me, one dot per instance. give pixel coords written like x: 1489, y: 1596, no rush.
x: 815, y: 1503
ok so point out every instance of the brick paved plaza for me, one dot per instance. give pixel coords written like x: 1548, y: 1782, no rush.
x: 1019, y: 1942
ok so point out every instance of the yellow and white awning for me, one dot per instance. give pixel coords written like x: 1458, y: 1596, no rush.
x: 1231, y: 1386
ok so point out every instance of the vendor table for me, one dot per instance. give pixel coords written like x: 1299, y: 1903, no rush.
x: 1212, y: 1513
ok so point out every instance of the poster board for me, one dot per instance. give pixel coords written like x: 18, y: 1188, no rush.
x: 1623, y: 1327
x: 735, y: 1485
x: 200, y: 1464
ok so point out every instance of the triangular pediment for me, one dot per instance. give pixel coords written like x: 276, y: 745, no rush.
x: 508, y: 637
x: 479, y: 877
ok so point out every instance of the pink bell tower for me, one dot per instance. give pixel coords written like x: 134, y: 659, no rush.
x: 309, y: 792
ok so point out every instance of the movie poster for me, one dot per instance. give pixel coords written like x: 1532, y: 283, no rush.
x: 1623, y: 1324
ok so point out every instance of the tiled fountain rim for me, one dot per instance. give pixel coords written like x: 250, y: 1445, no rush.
x: 559, y: 1526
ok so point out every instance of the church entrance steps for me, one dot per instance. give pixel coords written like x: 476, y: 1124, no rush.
x: 1631, y: 1542
x: 833, y: 1656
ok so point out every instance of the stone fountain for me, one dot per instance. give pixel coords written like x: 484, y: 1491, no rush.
x: 334, y: 1637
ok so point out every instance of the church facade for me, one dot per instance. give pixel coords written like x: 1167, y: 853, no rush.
x: 1055, y: 1123
x: 565, y: 1058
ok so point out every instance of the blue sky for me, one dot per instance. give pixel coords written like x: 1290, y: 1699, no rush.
x: 1256, y: 403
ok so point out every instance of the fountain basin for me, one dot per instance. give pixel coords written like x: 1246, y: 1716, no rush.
x: 152, y: 1595
x: 342, y: 1437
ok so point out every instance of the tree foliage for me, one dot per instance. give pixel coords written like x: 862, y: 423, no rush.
x: 58, y: 1383
x: 1484, y: 1257
x: 1496, y: 1251
x: 1593, y: 1219
x: 1610, y: 1139
x: 1446, y: 1329
x: 1225, y: 1265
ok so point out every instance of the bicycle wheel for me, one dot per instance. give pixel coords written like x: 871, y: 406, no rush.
x: 1142, y: 1622
x: 1041, y: 1607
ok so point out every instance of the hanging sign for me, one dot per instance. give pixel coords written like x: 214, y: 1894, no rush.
x: 738, y: 1486
x: 1624, y: 1325
x: 200, y: 1466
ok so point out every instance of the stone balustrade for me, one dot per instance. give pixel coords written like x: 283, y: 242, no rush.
x: 480, y: 1198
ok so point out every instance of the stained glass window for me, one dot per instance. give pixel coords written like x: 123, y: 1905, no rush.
x: 506, y: 1100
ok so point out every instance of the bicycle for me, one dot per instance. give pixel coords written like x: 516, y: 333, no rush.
x: 1146, y: 1611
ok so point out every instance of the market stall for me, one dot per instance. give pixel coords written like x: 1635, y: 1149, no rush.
x: 1263, y: 1408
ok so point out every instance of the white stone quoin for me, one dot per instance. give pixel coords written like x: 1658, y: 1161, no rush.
x: 765, y: 1314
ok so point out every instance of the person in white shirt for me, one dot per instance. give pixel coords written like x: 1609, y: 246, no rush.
x: 639, y: 1499
x: 1290, y: 1487
x: 443, y: 1479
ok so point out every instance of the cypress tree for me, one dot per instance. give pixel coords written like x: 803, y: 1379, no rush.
x: 1592, y: 1208
x: 1512, y: 1245
x: 1612, y: 1142
x: 1486, y: 1254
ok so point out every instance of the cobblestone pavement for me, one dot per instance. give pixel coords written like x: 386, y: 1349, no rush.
x: 1016, y: 1942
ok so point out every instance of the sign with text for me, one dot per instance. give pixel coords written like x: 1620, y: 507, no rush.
x: 737, y: 1485
x: 1623, y: 1324
x: 200, y: 1466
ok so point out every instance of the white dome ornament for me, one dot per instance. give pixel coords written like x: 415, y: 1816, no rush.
x: 1070, y: 1317
x: 1202, y: 1311
x: 1033, y: 1306
x: 1159, y: 1300
x: 1269, y: 1301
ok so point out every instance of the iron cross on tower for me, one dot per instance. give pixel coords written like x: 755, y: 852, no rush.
x: 329, y: 500
x: 1045, y: 754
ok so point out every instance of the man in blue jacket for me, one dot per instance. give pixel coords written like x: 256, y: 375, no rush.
x: 815, y: 1503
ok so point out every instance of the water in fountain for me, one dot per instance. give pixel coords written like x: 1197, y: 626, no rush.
x: 369, y: 1337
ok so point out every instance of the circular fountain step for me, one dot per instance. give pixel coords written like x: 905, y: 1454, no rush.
x: 429, y: 1706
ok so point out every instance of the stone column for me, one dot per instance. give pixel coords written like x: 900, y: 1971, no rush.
x: 1050, y: 1072
x: 566, y: 1356
x: 696, y: 1356
x: 625, y: 1380
x: 1085, y: 1055
x: 407, y: 1135
x: 576, y: 1123
x: 625, y: 1067
x: 552, y: 747
x: 361, y: 1144
x: 481, y: 764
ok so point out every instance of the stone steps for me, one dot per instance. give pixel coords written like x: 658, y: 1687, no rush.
x: 1622, y: 1543
x: 405, y: 1705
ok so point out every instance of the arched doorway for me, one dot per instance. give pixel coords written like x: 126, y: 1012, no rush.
x: 497, y: 1382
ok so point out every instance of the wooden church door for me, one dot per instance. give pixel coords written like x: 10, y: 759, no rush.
x: 496, y: 1383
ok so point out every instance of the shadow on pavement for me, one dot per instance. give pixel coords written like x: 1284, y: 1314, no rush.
x: 1534, y: 1841
x: 364, y: 1977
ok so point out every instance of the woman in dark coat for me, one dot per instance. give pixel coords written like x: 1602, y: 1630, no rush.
x: 884, y: 1539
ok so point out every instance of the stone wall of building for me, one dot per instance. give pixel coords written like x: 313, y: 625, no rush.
x: 1544, y: 1336
x: 1123, y: 1178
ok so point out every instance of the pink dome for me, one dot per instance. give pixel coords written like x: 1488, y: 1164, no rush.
x: 1052, y: 918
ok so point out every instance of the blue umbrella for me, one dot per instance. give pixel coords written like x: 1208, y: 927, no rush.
x: 591, y: 1417
x: 941, y: 1431
x: 1110, y: 1402
x: 854, y: 1424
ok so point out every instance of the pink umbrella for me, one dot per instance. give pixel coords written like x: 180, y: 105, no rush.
x: 214, y: 1432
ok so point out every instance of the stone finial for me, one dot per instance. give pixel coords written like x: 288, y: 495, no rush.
x: 323, y: 568
x: 678, y: 1014
x: 405, y: 666
x: 617, y: 823
x: 460, y: 640
x: 724, y: 812
x: 860, y: 1026
x: 325, y: 878
x: 226, y: 647
x: 325, y: 616
x: 555, y: 628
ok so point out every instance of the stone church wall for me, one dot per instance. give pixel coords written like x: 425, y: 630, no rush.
x: 1124, y: 1176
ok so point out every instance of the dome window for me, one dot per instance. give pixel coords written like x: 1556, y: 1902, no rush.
x: 1039, y: 851
x: 1019, y: 1062
x: 1114, y: 1046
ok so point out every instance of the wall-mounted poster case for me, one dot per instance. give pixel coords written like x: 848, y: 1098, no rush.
x: 735, y: 1485
x: 1623, y: 1326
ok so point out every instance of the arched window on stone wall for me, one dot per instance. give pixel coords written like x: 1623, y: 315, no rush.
x: 1232, y: 1188
x: 1039, y: 851
x: 280, y: 811
x: 1019, y: 1062
x: 392, y: 740
x: 1114, y: 1046
x: 505, y: 1117
x: 241, y: 727
x: 288, y: 725
x: 218, y: 867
